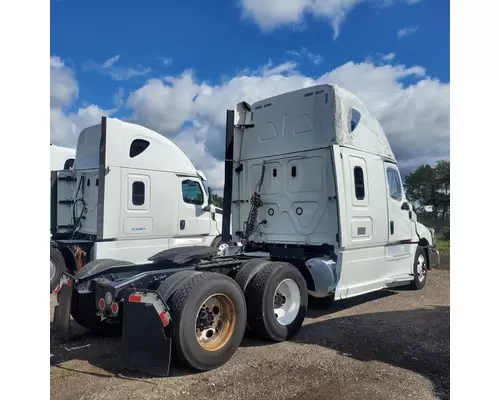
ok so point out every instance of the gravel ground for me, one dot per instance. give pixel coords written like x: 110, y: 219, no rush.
x: 389, y: 345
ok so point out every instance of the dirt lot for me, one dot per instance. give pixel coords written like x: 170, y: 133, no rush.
x: 391, y: 345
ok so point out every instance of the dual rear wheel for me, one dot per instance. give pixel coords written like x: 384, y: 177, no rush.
x: 210, y: 311
x: 276, y: 296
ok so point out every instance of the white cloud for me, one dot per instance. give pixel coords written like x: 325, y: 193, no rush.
x: 164, y: 104
x: 63, y: 86
x: 286, y: 68
x: 117, y: 73
x: 66, y: 125
x: 193, y: 141
x: 124, y: 74
x: 409, y: 30
x: 316, y: 59
x: 269, y: 15
x: 119, y: 98
x: 110, y: 62
x: 388, y: 57
x: 192, y: 113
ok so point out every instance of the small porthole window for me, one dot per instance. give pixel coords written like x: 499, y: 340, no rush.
x: 138, y: 193
x: 355, y: 117
x: 275, y: 172
x: 69, y: 163
x: 359, y: 183
x: 137, y: 147
x: 294, y: 171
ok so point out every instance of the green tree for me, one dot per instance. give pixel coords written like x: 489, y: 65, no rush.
x: 420, y: 185
x: 442, y: 177
x: 217, y: 200
x: 428, y: 185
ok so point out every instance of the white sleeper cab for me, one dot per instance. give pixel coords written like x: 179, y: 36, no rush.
x: 131, y: 193
x: 332, y: 195
x: 313, y: 206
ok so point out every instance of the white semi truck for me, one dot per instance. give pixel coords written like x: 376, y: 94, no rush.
x: 61, y: 157
x: 317, y: 206
x: 148, y: 198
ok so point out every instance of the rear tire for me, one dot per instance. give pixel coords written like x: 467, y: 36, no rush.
x: 277, y: 302
x: 204, y: 339
x: 248, y: 271
x: 57, y: 267
x: 83, y: 307
x: 170, y: 285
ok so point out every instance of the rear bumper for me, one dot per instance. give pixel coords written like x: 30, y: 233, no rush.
x: 434, y: 258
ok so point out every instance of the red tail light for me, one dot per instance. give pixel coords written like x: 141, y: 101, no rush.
x: 114, y: 308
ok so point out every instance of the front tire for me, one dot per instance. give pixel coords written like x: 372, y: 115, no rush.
x: 277, y: 301
x: 208, y: 321
x: 222, y: 247
x: 57, y: 267
x: 420, y: 269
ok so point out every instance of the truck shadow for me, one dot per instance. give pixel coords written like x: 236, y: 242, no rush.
x: 416, y: 340
x: 101, y: 352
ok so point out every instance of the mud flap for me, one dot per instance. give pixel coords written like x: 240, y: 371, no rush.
x: 64, y: 291
x: 145, y: 347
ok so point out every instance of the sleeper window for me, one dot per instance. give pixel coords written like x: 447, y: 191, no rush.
x: 359, y: 183
x: 137, y: 147
x: 192, y: 193
x: 69, y: 163
x: 138, y: 193
x: 355, y: 117
x: 394, y: 183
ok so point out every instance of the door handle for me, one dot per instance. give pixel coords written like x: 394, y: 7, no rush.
x: 183, y: 224
x: 405, y: 206
x: 392, y: 227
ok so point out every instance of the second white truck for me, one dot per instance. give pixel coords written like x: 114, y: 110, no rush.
x: 148, y: 197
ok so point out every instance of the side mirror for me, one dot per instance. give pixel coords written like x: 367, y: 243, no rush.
x: 405, y: 206
x: 209, y: 206
x: 210, y: 196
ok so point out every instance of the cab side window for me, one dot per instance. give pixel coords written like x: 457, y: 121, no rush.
x: 138, y: 193
x: 192, y: 193
x: 394, y: 184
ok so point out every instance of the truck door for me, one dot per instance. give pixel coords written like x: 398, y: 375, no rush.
x: 398, y: 210
x: 193, y: 219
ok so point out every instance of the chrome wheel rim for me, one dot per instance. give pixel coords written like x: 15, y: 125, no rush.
x: 421, y: 268
x: 222, y: 249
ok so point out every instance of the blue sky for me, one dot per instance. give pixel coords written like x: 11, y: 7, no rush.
x: 112, y: 49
